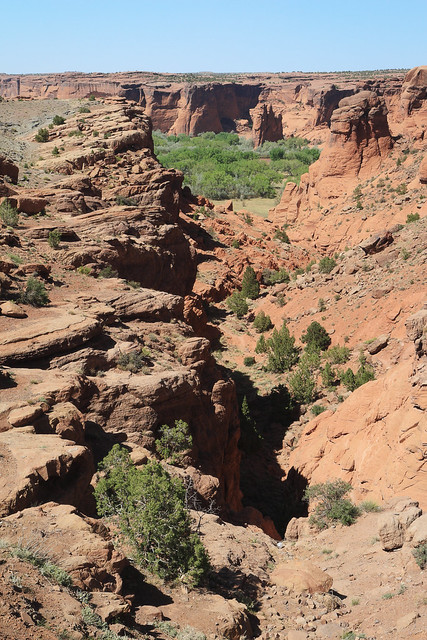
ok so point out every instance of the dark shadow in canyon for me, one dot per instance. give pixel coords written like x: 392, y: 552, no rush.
x: 263, y: 482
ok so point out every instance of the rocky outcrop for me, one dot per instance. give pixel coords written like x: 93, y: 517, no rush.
x: 9, y: 169
x: 37, y: 468
x: 414, y: 90
x: 80, y: 545
x: 266, y: 125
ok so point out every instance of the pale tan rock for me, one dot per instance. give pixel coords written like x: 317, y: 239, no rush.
x: 390, y: 531
x: 301, y: 577
x: 405, y: 621
x: 12, y: 310
x: 417, y: 531
x: 109, y: 605
x: 25, y: 415
x: 67, y: 421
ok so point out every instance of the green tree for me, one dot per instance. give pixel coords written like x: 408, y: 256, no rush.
x: 302, y: 383
x: 174, y: 441
x: 58, y: 120
x: 250, y: 285
x: 149, y: 507
x: 237, y: 304
x: 8, y: 214
x: 250, y: 438
x: 262, y: 322
x: 261, y: 345
x: 329, y: 376
x: 316, y: 337
x: 282, y: 353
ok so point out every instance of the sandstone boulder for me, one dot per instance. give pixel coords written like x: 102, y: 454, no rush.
x: 301, y: 577
x: 41, y: 467
x: 391, y: 532
x: 8, y: 168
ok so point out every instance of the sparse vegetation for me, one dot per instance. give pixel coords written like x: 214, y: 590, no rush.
x: 108, y: 272
x: 412, y: 217
x: 248, y: 361
x: 34, y: 556
x: 35, y: 293
x: 54, y: 238
x: 420, y: 555
x: 270, y: 277
x: 133, y: 361
x: 57, y: 120
x: 326, y: 264
x: 331, y: 504
x: 8, y: 214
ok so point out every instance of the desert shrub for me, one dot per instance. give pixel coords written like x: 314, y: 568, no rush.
x: 84, y: 110
x: 57, y: 120
x: 270, y: 277
x: 91, y: 618
x: 280, y: 234
x: 133, y: 361
x: 282, y: 353
x: 149, y: 507
x: 261, y: 345
x: 326, y: 264
x: 250, y: 284
x: 412, y: 217
x: 321, y: 304
x: 316, y: 337
x: 8, y: 214
x: 237, y: 304
x: 317, y: 409
x: 369, y: 506
x: 262, y: 322
x: 235, y: 244
x: 401, y: 189
x: 42, y: 135
x: 84, y: 270
x: 338, y: 354
x: 54, y: 238
x: 174, y: 441
x: 331, y: 503
x: 35, y: 293
x: 55, y: 573
x: 249, y: 361
x: 92, y: 98
x: 55, y: 151
x: 129, y: 202
x: 420, y: 555
x: 108, y: 272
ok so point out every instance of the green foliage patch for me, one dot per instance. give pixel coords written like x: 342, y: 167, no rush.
x: 149, y: 507
x: 221, y: 166
x: 331, y: 503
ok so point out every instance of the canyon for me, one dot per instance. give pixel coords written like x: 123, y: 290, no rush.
x: 137, y: 268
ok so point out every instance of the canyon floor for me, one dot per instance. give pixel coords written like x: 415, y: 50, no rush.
x: 141, y: 267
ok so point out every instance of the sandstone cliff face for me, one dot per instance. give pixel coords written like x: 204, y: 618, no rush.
x: 376, y: 440
x: 117, y: 209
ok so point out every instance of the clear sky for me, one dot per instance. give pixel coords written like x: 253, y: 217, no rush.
x: 40, y: 36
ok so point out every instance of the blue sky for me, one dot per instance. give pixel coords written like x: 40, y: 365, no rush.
x: 40, y: 36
